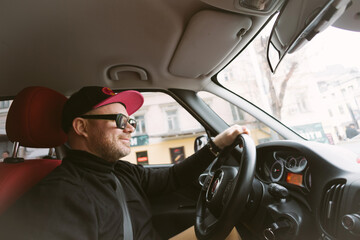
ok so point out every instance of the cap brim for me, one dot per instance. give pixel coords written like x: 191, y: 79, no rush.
x: 132, y: 100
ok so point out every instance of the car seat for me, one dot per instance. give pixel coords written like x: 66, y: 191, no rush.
x: 33, y: 120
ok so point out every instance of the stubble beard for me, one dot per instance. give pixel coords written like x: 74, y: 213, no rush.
x: 110, y: 149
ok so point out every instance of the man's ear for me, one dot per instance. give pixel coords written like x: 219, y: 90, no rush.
x: 80, y: 126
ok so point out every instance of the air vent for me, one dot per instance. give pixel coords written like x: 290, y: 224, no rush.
x: 330, y: 208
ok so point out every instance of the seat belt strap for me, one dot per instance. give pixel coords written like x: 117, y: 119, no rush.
x: 127, y: 227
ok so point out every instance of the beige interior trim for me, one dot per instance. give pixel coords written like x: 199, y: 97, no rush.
x: 209, y: 37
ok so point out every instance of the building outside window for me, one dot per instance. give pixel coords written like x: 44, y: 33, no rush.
x: 177, y: 154
x: 140, y: 128
x: 301, y: 103
x: 142, y: 158
x: 330, y: 112
x: 236, y: 113
x: 341, y: 109
x: 172, y: 120
x: 4, y: 104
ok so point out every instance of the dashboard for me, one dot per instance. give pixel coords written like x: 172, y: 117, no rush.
x: 305, y: 190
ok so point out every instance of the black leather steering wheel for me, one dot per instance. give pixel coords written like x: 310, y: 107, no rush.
x: 225, y: 191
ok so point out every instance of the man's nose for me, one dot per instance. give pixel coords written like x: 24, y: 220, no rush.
x: 129, y: 128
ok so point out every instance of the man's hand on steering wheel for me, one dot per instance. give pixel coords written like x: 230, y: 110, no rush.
x: 227, y: 137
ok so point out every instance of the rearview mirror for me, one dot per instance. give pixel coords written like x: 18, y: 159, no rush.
x: 298, y: 22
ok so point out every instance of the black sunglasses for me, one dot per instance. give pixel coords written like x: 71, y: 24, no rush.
x: 120, y: 119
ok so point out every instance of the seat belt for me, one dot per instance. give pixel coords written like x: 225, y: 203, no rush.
x: 127, y: 227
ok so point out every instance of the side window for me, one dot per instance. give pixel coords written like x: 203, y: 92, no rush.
x: 234, y: 115
x: 165, y: 132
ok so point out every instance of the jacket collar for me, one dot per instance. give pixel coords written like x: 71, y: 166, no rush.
x: 90, y: 161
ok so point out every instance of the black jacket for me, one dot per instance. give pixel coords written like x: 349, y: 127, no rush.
x: 78, y: 200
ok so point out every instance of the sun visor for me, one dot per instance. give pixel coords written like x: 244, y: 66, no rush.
x: 209, y: 37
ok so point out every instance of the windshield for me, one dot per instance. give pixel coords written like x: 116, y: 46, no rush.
x: 315, y: 91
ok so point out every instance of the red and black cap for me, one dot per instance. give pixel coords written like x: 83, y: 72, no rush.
x: 89, y: 98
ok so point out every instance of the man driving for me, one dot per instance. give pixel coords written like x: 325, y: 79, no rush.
x: 93, y: 194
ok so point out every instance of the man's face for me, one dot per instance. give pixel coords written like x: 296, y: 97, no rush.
x: 104, y: 138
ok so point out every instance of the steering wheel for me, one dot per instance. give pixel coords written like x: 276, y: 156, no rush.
x: 225, y: 191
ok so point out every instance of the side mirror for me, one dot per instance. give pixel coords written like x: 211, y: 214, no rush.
x: 200, y: 142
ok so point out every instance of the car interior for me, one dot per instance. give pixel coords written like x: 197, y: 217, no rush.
x: 283, y: 188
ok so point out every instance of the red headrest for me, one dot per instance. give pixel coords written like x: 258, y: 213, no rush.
x: 34, y: 118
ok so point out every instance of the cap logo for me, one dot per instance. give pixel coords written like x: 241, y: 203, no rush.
x: 108, y: 91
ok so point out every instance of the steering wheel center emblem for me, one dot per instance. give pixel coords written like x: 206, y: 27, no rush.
x: 214, y: 185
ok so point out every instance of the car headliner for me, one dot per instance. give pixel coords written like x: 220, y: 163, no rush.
x: 162, y: 44
x: 65, y: 45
